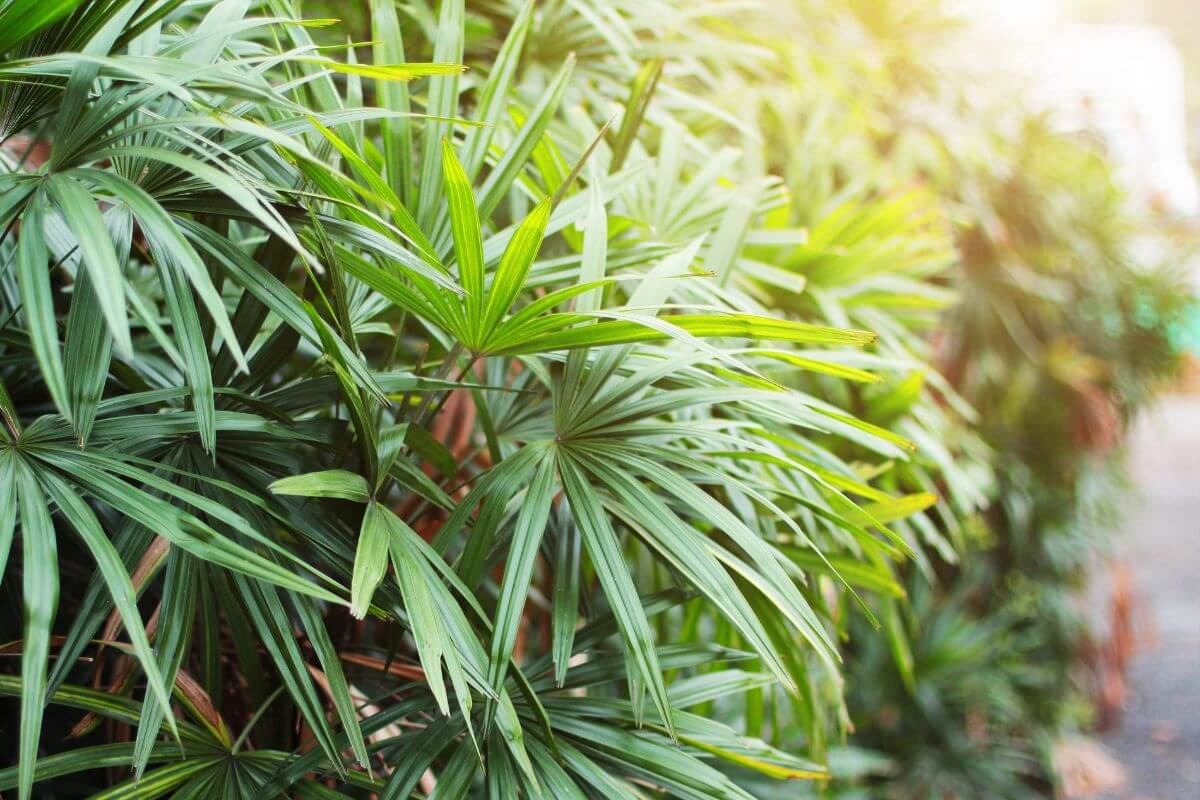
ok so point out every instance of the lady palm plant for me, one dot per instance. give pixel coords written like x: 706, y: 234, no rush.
x: 876, y: 254
x: 373, y: 428
x: 844, y: 240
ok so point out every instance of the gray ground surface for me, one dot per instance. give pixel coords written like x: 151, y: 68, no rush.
x: 1158, y: 740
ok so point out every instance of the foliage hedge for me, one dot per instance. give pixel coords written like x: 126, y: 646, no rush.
x: 547, y: 400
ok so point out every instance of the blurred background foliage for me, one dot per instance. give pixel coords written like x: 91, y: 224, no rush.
x: 1064, y: 324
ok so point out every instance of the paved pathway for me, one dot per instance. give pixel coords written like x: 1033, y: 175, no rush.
x: 1158, y: 739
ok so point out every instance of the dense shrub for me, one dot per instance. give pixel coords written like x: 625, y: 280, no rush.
x: 567, y: 426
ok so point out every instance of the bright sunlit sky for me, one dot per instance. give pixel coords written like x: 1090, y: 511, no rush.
x: 1115, y: 75
x: 1021, y: 15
